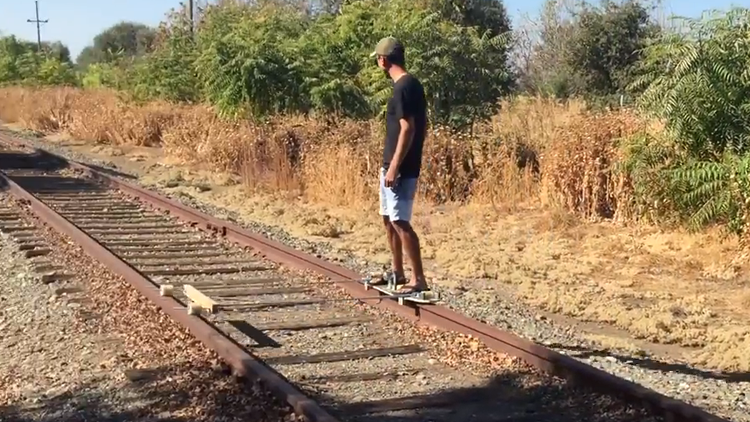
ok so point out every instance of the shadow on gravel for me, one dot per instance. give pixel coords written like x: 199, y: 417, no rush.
x: 112, y: 172
x: 42, y: 160
x: 38, y: 160
x: 186, y: 393
x: 174, y: 393
x: 511, y: 396
x: 647, y: 363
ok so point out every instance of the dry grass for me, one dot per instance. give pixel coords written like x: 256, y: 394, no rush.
x: 534, y: 153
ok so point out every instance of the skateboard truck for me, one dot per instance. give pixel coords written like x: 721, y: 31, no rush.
x: 391, y: 289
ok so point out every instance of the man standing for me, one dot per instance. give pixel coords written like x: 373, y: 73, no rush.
x: 406, y: 127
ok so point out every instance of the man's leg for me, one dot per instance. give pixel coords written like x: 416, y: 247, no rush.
x: 397, y: 249
x: 400, y: 202
x: 394, y: 241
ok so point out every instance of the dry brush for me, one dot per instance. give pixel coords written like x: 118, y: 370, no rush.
x: 534, y: 152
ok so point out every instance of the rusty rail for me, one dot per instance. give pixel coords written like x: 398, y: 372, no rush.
x: 435, y: 315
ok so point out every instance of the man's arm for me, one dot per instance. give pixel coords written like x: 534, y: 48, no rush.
x: 404, y: 140
x: 405, y: 114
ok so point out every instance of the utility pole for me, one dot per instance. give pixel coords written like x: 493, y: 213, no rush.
x: 191, y: 11
x: 38, y: 25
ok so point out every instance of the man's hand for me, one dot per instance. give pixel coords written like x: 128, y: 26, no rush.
x: 390, y: 177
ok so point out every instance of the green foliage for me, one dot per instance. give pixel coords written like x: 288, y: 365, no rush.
x: 700, y: 85
x: 54, y: 72
x: 606, y: 47
x: 591, y: 51
x: 168, y: 72
x: 671, y: 186
x: 464, y: 73
x: 246, y: 58
x: 714, y: 191
x: 22, y: 63
x: 260, y: 58
x: 99, y: 75
x: 125, y: 39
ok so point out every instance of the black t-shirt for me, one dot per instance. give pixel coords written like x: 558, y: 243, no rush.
x: 408, y: 101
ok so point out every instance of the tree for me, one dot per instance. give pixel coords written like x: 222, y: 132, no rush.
x: 122, y: 40
x: 57, y: 50
x: 606, y: 47
x: 581, y: 49
x: 21, y: 63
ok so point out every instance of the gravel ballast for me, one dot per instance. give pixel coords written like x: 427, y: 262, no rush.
x: 91, y: 348
x: 722, y: 395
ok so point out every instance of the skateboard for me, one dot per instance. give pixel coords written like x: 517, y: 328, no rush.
x: 391, y: 289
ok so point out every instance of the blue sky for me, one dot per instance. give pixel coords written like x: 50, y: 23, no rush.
x: 76, y: 22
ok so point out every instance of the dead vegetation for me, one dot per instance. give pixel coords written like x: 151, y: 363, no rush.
x: 534, y: 153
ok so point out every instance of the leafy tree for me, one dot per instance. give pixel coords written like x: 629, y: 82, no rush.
x: 268, y: 57
x: 20, y: 62
x: 125, y: 39
x: 245, y: 58
x: 588, y: 50
x: 485, y: 15
x: 57, y: 50
x: 605, y: 48
x: 698, y: 84
x: 168, y: 72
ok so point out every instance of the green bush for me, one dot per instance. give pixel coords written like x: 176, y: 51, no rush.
x: 21, y: 63
x: 265, y: 58
x: 698, y: 85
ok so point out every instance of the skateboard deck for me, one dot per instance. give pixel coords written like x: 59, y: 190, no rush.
x: 391, y: 288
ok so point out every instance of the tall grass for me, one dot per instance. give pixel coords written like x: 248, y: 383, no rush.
x: 534, y: 153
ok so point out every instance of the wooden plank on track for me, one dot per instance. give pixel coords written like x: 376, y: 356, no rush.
x: 201, y: 299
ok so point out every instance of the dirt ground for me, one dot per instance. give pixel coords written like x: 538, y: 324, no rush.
x: 672, y: 288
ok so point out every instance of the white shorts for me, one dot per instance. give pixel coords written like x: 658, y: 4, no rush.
x: 397, y: 202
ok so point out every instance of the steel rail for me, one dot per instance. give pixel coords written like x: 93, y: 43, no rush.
x: 435, y: 315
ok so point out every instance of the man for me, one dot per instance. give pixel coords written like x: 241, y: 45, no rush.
x: 406, y: 125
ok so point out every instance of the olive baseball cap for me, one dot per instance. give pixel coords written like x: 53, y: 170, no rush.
x: 388, y: 46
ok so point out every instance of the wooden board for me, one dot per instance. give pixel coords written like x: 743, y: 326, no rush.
x: 391, y: 289
x: 196, y: 296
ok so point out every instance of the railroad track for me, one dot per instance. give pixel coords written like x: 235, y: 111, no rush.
x: 245, y: 297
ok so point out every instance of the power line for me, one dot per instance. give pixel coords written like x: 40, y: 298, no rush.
x: 38, y: 26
